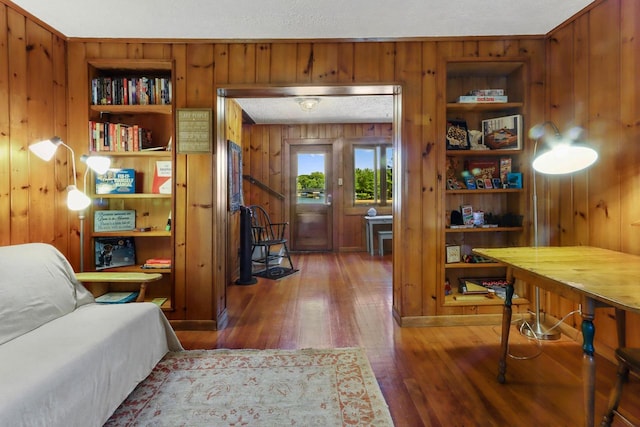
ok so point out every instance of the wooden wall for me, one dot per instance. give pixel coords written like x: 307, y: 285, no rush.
x: 593, y: 81
x: 33, y: 87
x: 589, y: 78
x: 264, y: 157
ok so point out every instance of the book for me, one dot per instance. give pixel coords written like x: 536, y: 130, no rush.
x: 162, y: 177
x: 159, y: 301
x: 503, y: 133
x: 485, y: 92
x: 117, y: 297
x: 470, y: 99
x: 157, y: 263
x: 113, y: 252
x: 116, y: 181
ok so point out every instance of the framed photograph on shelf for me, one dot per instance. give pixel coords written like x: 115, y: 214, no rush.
x: 114, y: 252
x: 503, y: 133
x: 457, y: 135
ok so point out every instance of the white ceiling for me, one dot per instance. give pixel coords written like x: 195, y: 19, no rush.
x: 303, y: 19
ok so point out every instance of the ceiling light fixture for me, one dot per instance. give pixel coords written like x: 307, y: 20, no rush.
x: 308, y: 104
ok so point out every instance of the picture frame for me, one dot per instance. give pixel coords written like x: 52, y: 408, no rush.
x: 453, y: 254
x: 457, y: 135
x: 235, y: 176
x: 113, y: 252
x: 503, y: 133
x: 193, y: 130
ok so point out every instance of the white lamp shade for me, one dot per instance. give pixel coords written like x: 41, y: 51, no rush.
x: 99, y: 164
x: 44, y: 149
x: 76, y: 199
x: 565, y: 159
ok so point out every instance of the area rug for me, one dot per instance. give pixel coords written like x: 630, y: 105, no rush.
x: 276, y: 273
x: 332, y: 387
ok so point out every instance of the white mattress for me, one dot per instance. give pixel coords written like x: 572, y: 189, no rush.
x: 77, y: 369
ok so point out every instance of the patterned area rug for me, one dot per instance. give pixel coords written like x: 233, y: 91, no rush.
x: 276, y: 273
x: 333, y: 387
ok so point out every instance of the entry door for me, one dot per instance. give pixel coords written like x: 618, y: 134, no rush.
x: 311, y: 198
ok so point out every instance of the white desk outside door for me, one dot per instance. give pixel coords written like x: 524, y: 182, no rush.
x: 375, y: 220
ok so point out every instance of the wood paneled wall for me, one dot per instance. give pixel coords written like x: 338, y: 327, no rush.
x: 589, y: 78
x: 33, y: 87
x: 264, y: 157
x: 592, y: 79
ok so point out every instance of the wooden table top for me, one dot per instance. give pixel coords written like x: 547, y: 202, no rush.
x: 603, y: 275
x: 121, y: 277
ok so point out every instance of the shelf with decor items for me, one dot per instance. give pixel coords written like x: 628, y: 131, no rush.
x: 131, y: 121
x: 484, y: 161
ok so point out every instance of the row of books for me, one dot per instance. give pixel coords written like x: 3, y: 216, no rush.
x: 131, y: 91
x: 106, y: 136
x: 157, y: 263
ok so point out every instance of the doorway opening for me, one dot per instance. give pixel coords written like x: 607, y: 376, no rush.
x: 317, y: 210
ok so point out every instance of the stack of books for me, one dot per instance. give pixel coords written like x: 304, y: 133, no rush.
x: 484, y: 96
x: 157, y: 263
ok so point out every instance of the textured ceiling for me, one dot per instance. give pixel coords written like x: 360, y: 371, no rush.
x: 300, y: 19
x: 303, y: 19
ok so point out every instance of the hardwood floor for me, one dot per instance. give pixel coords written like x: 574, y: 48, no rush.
x: 437, y: 376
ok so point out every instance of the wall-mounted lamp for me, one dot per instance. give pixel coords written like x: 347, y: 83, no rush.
x: 308, y: 104
x: 563, y: 155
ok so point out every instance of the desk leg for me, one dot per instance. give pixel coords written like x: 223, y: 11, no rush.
x: 506, y: 328
x: 143, y: 288
x: 588, y: 361
x: 370, y: 238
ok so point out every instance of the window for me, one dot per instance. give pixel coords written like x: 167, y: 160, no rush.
x: 372, y: 174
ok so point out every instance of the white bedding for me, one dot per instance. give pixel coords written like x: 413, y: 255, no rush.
x: 77, y: 369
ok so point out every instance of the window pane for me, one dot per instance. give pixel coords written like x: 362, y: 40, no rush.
x: 372, y: 175
x: 364, y: 178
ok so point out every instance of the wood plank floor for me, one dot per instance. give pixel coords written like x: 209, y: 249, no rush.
x: 437, y: 376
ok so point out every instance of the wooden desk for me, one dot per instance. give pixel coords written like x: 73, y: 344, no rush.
x: 375, y: 220
x: 119, y: 277
x: 591, y: 276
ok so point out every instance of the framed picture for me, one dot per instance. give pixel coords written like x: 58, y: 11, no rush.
x: 235, y: 176
x: 114, y: 252
x: 457, y: 135
x: 503, y: 133
x: 193, y: 130
x: 453, y: 254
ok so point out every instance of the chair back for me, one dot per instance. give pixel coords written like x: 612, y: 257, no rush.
x: 262, y: 229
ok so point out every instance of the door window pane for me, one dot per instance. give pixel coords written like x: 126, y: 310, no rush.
x: 310, y: 180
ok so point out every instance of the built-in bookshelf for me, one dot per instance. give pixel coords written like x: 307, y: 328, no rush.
x: 484, y: 206
x: 131, y: 120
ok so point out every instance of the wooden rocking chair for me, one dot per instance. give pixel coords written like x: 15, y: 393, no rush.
x: 268, y: 245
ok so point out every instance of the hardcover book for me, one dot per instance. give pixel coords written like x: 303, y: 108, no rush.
x: 116, y: 181
x: 162, y: 177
